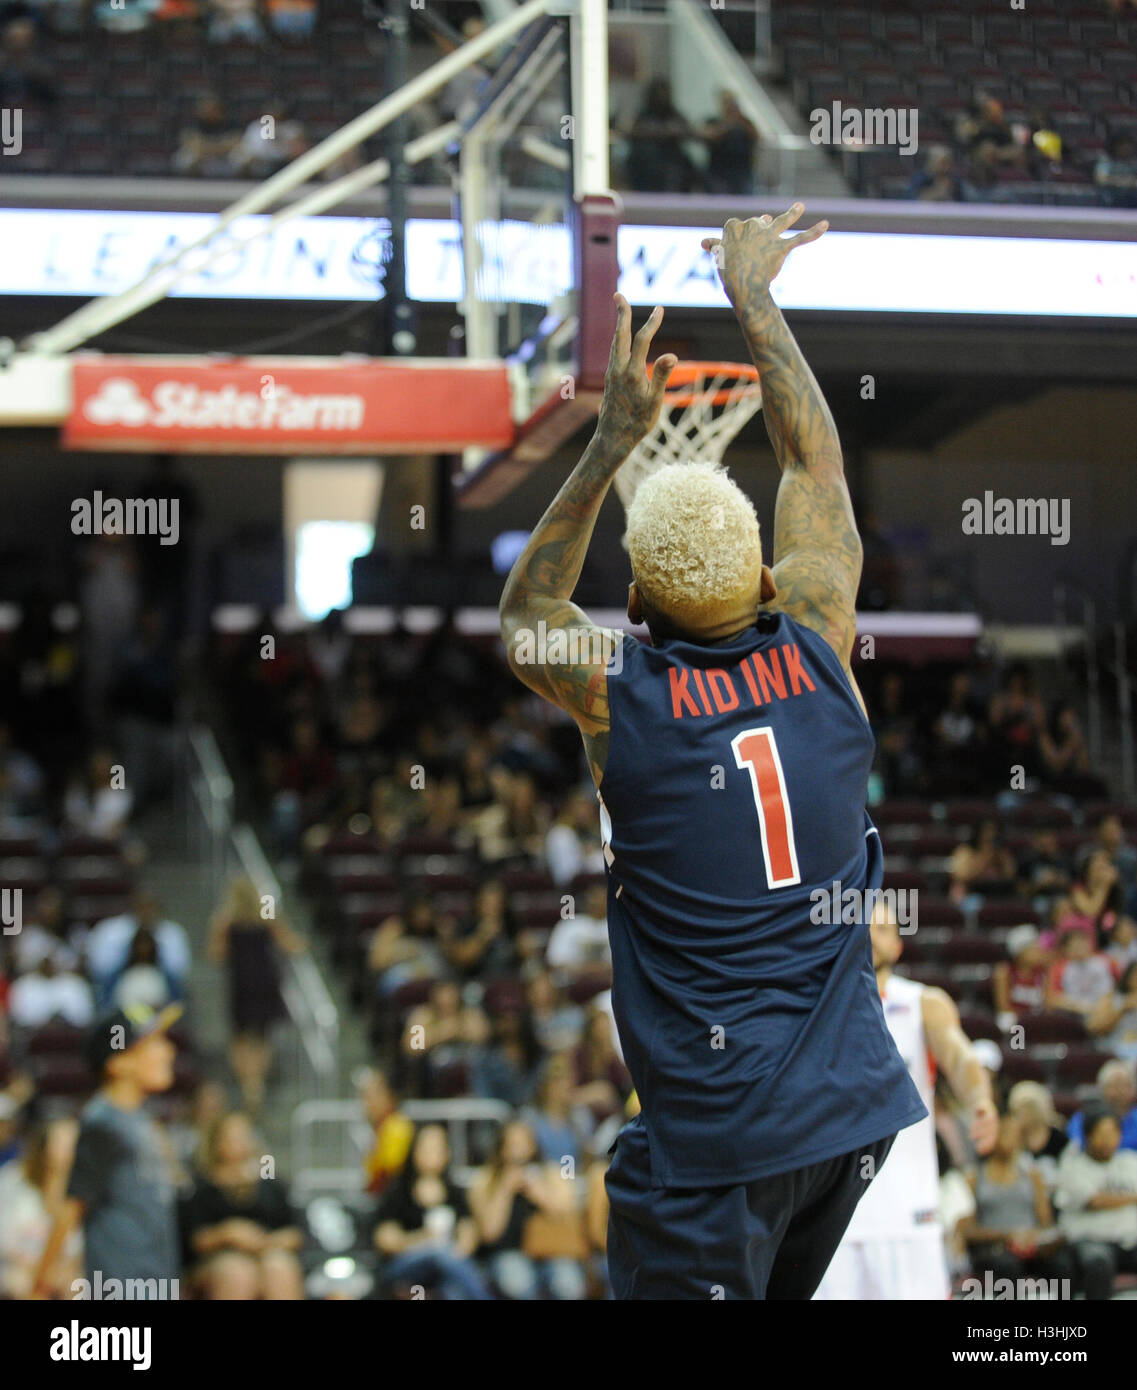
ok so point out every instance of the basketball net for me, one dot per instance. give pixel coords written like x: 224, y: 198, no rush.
x: 705, y: 406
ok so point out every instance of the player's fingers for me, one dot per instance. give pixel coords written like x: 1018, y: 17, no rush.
x: 622, y: 338
x: 811, y: 235
x: 789, y: 217
x: 660, y: 375
x: 642, y: 341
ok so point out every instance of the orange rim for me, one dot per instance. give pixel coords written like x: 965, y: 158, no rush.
x: 687, y: 374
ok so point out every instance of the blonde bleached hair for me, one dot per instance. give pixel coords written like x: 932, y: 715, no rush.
x: 694, y: 543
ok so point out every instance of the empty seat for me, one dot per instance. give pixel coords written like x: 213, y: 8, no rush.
x: 1080, y: 1066
x: 978, y: 1023
x: 1052, y: 1026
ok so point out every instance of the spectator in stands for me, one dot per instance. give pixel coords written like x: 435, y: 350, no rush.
x: 48, y: 994
x: 424, y: 1227
x: 986, y: 127
x: 1044, y: 873
x: 292, y: 19
x: 557, y: 1023
x: 957, y: 738
x: 1013, y: 1232
x: 938, y: 181
x: 1122, y: 855
x: 121, y: 1184
x: 1095, y: 901
x: 507, y: 1069
x: 1081, y: 980
x: 731, y: 142
x: 1019, y: 984
x: 394, y: 1133
x: 1116, y: 1021
x: 1097, y: 1201
x: 434, y: 1035
x: 552, y: 1115
x: 234, y: 19
x: 1018, y: 722
x: 572, y: 845
x: 1043, y: 1136
x: 1065, y: 758
x: 302, y: 781
x: 603, y: 1082
x: 475, y: 784
x: 579, y: 945
x: 515, y: 825
x: 142, y: 980
x: 1122, y: 948
x: 248, y: 937
x: 25, y: 77
x: 109, y: 942
x: 1119, y: 1093
x: 1115, y: 173
x: 897, y: 758
x: 21, y: 782
x: 208, y: 143
x: 45, y: 933
x: 983, y: 866
x: 530, y: 1232
x: 31, y: 1189
x: 268, y: 142
x: 99, y: 802
x: 240, y: 1236
x: 657, y: 161
x: 405, y: 946
x: 482, y: 943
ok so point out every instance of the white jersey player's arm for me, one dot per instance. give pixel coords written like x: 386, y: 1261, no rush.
x: 965, y: 1073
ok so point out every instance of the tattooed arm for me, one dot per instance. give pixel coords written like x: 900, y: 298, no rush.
x: 552, y: 645
x: 817, y: 552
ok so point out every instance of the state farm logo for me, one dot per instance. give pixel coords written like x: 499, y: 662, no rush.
x: 184, y: 405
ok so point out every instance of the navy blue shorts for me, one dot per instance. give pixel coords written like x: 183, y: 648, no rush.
x: 769, y: 1239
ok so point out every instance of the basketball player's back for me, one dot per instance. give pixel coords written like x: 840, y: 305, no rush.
x: 733, y: 802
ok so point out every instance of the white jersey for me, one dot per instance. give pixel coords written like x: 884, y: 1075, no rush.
x: 904, y: 1197
x: 893, y: 1248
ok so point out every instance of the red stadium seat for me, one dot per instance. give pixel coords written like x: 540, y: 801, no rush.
x: 1052, y: 1026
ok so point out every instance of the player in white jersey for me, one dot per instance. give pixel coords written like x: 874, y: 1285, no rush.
x: 894, y: 1246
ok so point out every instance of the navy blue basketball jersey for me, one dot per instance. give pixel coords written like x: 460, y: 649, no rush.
x: 734, y: 820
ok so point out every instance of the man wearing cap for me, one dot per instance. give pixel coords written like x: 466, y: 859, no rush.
x: 121, y: 1188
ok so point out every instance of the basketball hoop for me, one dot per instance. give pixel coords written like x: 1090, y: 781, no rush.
x: 704, y: 407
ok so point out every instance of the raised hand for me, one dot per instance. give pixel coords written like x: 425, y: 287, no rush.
x: 632, y: 400
x: 749, y: 254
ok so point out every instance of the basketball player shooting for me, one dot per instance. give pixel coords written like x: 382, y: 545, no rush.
x: 731, y: 755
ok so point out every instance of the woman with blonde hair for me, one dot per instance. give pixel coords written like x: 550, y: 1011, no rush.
x: 1043, y: 1134
x: 246, y: 936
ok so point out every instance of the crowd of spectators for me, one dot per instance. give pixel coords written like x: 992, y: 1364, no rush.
x: 1054, y: 1200
x: 990, y: 152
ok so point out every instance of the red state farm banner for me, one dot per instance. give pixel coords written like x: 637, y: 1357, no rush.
x: 275, y: 407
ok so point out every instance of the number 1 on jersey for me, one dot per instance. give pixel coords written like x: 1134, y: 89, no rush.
x: 756, y: 750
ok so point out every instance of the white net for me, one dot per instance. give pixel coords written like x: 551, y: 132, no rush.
x: 696, y: 424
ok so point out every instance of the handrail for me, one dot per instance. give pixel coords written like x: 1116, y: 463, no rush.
x: 310, y: 1006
